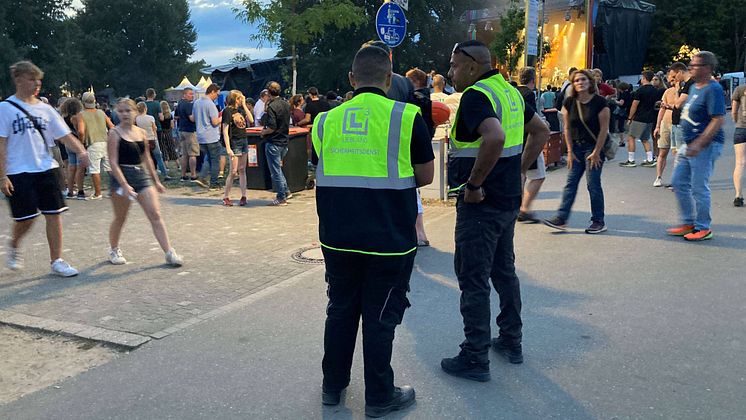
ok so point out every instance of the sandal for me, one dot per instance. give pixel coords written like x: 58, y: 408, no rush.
x: 227, y: 202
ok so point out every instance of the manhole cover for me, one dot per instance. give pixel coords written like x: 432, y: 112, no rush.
x: 308, y: 255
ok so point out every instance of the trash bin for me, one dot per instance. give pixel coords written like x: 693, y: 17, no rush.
x: 295, y: 164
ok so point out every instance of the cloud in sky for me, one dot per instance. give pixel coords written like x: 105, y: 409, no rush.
x: 219, y: 35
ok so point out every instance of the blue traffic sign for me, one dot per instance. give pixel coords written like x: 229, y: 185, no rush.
x: 391, y: 24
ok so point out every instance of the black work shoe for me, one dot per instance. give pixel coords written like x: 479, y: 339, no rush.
x: 527, y: 218
x: 512, y: 352
x: 463, y: 367
x: 401, y: 398
x: 738, y: 202
x: 330, y: 397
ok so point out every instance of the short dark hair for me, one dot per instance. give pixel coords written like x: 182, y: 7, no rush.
x: 648, y: 75
x: 572, y: 70
x: 274, y: 88
x: 549, y: 87
x: 313, y: 91
x: 371, y: 65
x: 212, y: 88
x: 331, y: 95
x: 380, y: 44
x: 469, y: 43
x: 150, y: 93
x: 677, y: 66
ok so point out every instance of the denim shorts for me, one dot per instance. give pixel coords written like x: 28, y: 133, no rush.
x: 137, y: 176
x: 739, y: 136
x: 240, y: 146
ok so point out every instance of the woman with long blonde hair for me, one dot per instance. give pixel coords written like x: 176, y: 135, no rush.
x: 133, y: 178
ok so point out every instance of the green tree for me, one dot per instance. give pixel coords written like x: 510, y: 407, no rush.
x: 713, y: 26
x: 34, y: 30
x: 239, y: 57
x: 508, y: 44
x: 131, y: 45
x: 433, y: 27
x: 298, y: 22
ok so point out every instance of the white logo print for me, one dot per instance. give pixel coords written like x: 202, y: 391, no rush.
x: 685, y: 111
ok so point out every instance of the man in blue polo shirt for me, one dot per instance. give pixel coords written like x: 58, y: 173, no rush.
x: 702, y: 125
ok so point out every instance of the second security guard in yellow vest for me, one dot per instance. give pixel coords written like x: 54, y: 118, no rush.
x: 487, y: 141
x: 372, y: 153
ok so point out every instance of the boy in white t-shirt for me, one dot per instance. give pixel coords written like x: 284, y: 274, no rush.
x: 28, y: 129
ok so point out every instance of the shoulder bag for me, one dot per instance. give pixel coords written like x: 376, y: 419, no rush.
x: 610, y: 146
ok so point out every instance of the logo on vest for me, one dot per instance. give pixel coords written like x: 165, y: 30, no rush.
x: 355, y: 121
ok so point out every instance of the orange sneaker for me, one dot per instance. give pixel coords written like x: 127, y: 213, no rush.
x: 680, y: 230
x: 699, y: 235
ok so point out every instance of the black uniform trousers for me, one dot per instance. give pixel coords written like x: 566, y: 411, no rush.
x: 374, y: 288
x: 484, y: 251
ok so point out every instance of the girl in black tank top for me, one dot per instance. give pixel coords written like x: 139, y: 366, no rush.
x: 133, y: 177
x: 130, y: 151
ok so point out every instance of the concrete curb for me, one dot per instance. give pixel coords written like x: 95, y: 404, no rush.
x: 238, y: 304
x: 122, y: 339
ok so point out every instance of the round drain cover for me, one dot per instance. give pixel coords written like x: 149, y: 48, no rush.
x: 308, y: 255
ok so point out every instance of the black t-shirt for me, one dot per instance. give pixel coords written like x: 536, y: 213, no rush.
x: 316, y: 107
x: 529, y: 98
x: 502, y: 187
x: 377, y: 220
x: 235, y: 119
x: 683, y: 90
x: 648, y: 95
x: 578, y: 132
x: 166, y: 123
x: 277, y: 117
x: 625, y: 96
x: 422, y: 100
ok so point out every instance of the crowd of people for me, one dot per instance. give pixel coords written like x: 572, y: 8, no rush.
x: 372, y: 150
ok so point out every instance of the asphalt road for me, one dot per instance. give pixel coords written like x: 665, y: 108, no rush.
x: 627, y: 324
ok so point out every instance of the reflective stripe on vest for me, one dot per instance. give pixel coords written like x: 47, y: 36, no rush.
x: 395, y: 126
x: 498, y: 91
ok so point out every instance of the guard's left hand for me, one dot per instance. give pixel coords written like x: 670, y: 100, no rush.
x: 474, y: 197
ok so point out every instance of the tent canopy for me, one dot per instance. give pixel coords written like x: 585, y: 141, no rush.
x: 250, y: 77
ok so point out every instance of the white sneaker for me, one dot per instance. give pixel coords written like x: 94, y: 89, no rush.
x: 61, y: 268
x: 658, y: 182
x: 115, y: 256
x: 173, y: 259
x: 95, y: 197
x: 13, y: 259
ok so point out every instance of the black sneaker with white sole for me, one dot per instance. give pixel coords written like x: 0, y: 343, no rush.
x: 628, y: 164
x: 596, y: 227
x: 527, y: 218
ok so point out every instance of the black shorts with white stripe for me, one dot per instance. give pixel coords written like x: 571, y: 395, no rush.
x: 35, y: 193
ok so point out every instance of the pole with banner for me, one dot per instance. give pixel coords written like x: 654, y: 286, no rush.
x: 532, y: 28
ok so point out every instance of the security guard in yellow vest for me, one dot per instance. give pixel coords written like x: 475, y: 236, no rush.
x: 485, y: 167
x: 372, y: 153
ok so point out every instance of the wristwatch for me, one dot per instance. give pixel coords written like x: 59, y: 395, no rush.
x: 472, y: 187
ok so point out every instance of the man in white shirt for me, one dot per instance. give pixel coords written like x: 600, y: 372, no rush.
x: 28, y: 171
x: 261, y: 104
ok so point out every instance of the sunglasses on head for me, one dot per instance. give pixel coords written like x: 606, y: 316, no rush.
x: 459, y: 50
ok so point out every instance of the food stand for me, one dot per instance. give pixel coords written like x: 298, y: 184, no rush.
x: 295, y: 164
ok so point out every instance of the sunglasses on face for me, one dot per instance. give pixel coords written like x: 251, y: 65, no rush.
x: 457, y: 49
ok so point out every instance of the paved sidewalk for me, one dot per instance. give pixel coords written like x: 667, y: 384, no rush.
x: 230, y: 253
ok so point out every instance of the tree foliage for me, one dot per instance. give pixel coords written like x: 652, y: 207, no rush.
x: 433, y: 27
x: 128, y: 45
x: 239, y: 57
x: 508, y: 44
x: 714, y: 26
